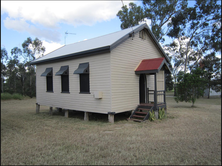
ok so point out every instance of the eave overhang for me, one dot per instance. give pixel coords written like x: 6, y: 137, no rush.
x: 74, y: 55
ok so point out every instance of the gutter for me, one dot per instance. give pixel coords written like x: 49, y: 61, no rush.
x: 75, y: 55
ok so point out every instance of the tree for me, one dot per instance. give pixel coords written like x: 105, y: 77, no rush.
x: 30, y: 49
x: 130, y: 17
x: 4, y: 57
x: 212, y: 65
x: 179, y: 51
x: 190, y: 86
x: 159, y: 12
x: 12, y: 70
x: 201, y: 25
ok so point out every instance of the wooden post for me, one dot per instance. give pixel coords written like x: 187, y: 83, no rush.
x: 50, y: 110
x: 66, y: 113
x: 111, y: 117
x: 165, y: 87
x: 86, y: 116
x: 37, y: 108
x: 155, y: 92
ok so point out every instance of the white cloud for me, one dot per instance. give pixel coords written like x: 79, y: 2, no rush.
x: 42, y: 18
x: 50, y: 13
x: 22, y: 26
x: 49, y: 47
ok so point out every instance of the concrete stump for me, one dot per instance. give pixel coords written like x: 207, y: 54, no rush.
x: 66, y: 113
x: 50, y: 110
x: 37, y: 108
x: 111, y: 118
x: 156, y: 114
x: 86, y: 116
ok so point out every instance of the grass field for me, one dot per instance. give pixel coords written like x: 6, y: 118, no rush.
x: 189, y: 136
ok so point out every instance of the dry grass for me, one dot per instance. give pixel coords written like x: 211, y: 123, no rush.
x: 187, y: 136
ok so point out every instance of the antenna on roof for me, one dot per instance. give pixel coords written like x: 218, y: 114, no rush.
x: 66, y: 33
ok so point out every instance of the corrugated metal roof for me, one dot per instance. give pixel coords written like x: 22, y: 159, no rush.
x: 151, y: 65
x: 101, y: 43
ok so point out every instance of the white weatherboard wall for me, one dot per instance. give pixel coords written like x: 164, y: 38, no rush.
x: 125, y: 83
x: 99, y: 66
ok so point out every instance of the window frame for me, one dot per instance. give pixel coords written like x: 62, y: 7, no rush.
x: 65, y: 83
x: 49, y: 85
x: 84, y: 83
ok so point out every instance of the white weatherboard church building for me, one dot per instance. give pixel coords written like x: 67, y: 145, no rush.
x: 110, y: 74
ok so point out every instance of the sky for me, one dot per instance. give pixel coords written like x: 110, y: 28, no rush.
x: 49, y: 20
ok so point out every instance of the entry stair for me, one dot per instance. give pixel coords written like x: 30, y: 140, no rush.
x: 141, y: 113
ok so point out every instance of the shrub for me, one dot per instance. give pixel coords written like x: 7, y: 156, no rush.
x: 152, y: 116
x: 6, y: 96
x: 161, y: 113
x: 17, y: 96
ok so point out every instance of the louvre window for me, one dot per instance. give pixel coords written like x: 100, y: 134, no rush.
x: 49, y: 80
x: 49, y: 84
x: 84, y: 83
x: 64, y: 73
x: 83, y: 71
x: 65, y: 83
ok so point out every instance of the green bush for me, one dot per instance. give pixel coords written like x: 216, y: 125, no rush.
x: 17, y: 96
x: 8, y: 96
x: 152, y: 116
x: 161, y: 114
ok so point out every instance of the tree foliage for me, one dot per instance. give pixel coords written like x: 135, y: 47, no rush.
x: 201, y: 25
x: 212, y: 66
x: 190, y: 86
x: 19, y: 75
x: 130, y: 17
x: 159, y: 12
x: 4, y: 57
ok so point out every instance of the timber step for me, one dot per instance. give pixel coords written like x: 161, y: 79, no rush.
x: 141, y: 113
x: 144, y: 109
x: 137, y: 112
x: 138, y: 116
x: 136, y: 120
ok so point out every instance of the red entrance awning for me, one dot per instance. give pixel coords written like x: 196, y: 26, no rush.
x: 147, y: 66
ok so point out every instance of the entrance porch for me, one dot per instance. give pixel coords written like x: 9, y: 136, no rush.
x: 152, y: 88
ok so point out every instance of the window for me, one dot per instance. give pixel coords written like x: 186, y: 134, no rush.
x: 142, y: 34
x: 65, y: 83
x: 84, y: 83
x: 83, y: 71
x: 49, y: 80
x: 49, y: 83
x: 64, y: 73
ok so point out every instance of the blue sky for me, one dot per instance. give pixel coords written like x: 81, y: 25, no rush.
x: 49, y: 20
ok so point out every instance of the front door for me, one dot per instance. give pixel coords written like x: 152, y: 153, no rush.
x: 142, y: 88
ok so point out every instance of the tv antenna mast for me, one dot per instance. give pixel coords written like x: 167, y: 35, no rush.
x: 66, y: 33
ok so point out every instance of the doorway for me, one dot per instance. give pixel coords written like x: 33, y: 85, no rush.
x: 142, y: 88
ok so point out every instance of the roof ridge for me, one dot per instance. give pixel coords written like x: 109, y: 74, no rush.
x: 106, y: 34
